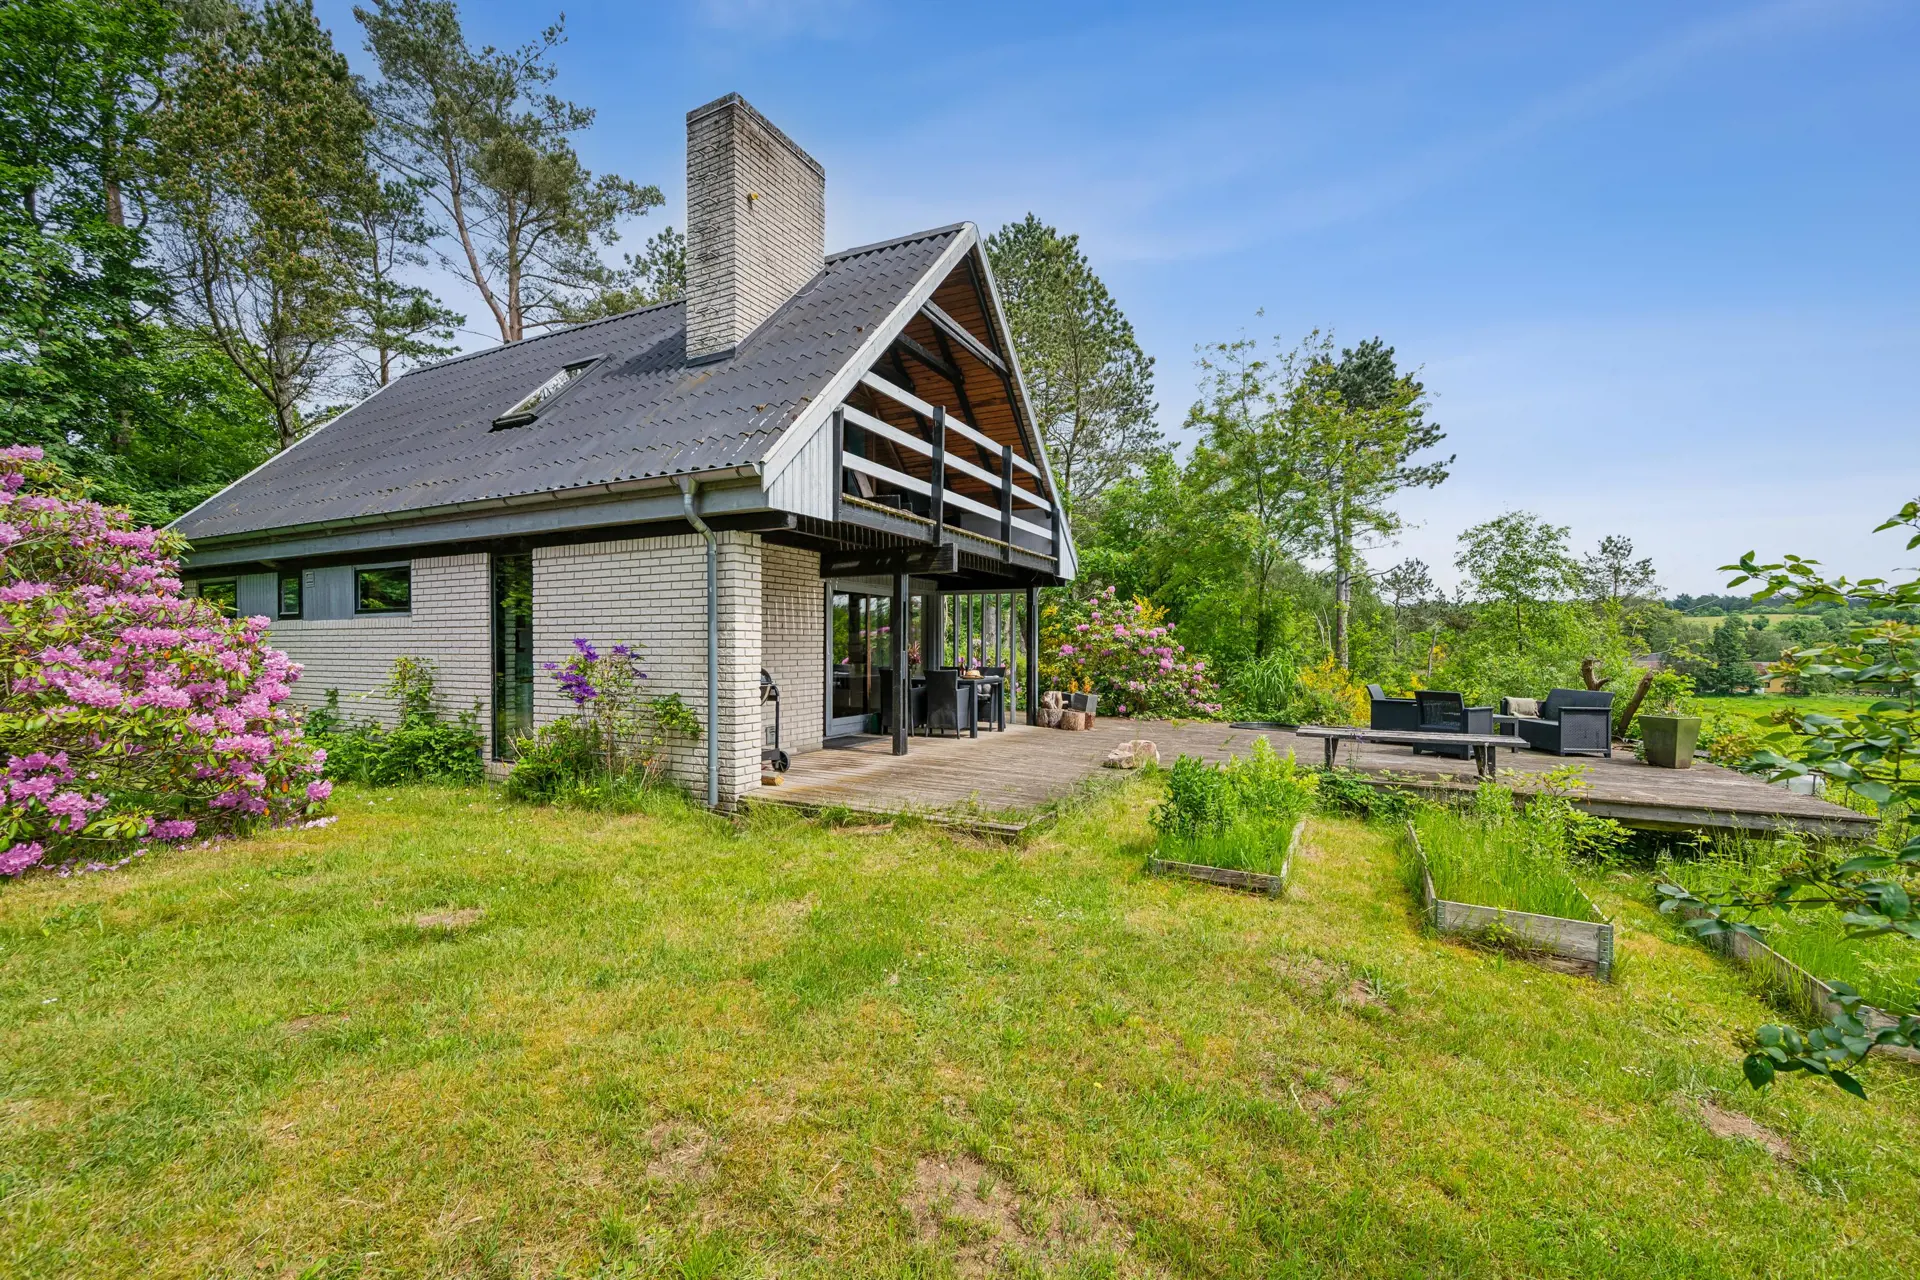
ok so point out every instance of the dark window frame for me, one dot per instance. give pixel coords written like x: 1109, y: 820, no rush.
x: 359, y: 597
x: 299, y: 596
x: 531, y: 407
x: 232, y: 584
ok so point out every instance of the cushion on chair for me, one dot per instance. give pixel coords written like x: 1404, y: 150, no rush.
x: 1528, y: 707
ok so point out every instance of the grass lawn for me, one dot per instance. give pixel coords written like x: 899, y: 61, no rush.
x: 1761, y: 707
x: 445, y: 1037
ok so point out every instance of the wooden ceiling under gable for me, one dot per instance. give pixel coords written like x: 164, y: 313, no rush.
x: 942, y: 371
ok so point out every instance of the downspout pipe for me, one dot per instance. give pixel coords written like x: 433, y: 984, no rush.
x: 687, y: 492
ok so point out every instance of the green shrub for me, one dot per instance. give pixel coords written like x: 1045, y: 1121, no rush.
x: 425, y: 747
x: 1239, y: 816
x: 1200, y: 801
x: 561, y: 755
x: 1348, y: 793
x: 1268, y: 785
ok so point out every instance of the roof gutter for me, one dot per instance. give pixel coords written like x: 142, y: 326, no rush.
x: 687, y: 491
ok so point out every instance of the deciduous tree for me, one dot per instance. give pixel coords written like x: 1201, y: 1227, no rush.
x: 1519, y: 562
x: 150, y: 415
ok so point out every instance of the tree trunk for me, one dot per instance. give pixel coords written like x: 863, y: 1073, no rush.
x: 1342, y: 599
x: 1633, y: 704
x: 1587, y: 674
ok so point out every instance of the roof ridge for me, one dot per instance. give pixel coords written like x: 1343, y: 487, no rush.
x: 949, y: 229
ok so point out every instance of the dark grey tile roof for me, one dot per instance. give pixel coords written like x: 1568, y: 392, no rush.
x: 426, y: 441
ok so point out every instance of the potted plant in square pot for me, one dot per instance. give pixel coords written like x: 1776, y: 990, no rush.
x: 1669, y: 731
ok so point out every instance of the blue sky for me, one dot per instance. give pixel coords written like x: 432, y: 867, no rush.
x: 1658, y: 261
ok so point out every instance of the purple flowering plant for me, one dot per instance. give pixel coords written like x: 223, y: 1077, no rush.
x: 1125, y: 651
x: 627, y: 725
x: 129, y: 712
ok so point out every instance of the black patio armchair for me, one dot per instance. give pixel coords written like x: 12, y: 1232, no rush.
x: 950, y: 704
x: 989, y: 697
x: 1398, y: 714
x: 1443, y: 712
x: 1572, y: 722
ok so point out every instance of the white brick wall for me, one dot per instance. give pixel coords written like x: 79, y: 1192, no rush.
x: 653, y: 592
x: 450, y: 624
x: 756, y: 223
x: 793, y: 643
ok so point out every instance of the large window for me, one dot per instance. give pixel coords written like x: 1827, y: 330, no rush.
x: 383, y: 590
x: 223, y: 594
x: 290, y: 596
x: 512, y: 652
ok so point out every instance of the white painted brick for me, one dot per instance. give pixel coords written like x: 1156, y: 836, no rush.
x: 756, y: 223
x: 450, y: 624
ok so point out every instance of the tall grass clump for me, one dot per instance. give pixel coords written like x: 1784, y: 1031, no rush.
x: 1239, y: 815
x: 1884, y: 970
x: 1494, y: 855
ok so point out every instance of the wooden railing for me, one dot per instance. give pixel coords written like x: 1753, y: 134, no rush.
x: 944, y: 464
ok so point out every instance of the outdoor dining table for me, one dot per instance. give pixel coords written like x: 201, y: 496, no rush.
x: 997, y: 716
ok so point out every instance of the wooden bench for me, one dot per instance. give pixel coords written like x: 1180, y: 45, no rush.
x: 1483, y: 745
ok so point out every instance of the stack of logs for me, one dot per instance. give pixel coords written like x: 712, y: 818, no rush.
x: 1066, y: 710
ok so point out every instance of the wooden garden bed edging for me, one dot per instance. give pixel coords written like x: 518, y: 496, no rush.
x: 1251, y: 881
x: 1585, y: 940
x: 1806, y: 993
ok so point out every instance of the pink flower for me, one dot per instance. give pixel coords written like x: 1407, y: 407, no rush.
x: 318, y: 791
x: 20, y: 857
x: 172, y: 829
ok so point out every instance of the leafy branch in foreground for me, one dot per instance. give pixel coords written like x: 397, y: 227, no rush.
x: 1875, y: 896
x: 1872, y: 752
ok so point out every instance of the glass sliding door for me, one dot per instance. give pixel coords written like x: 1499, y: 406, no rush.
x: 862, y: 657
x: 512, y: 651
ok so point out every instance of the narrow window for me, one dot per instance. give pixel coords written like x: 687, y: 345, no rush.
x: 384, y: 590
x: 224, y: 595
x: 290, y: 598
x: 543, y: 395
x: 512, y: 652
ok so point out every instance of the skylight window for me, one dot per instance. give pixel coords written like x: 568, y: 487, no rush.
x: 543, y: 395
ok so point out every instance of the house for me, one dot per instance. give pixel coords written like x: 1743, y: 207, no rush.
x: 760, y: 477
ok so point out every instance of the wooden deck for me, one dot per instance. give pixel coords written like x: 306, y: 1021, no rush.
x: 1003, y: 783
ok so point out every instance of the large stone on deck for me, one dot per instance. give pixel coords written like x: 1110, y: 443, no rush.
x: 1131, y: 755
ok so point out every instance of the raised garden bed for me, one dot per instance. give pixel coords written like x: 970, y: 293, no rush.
x: 1588, y: 943
x: 1231, y: 877
x: 1795, y: 986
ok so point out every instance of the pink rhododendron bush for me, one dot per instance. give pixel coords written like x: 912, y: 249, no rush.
x: 1125, y: 651
x: 129, y: 713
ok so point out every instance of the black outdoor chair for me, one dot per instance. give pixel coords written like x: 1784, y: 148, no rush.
x: 1572, y: 722
x: 949, y: 705
x: 917, y: 701
x: 1399, y: 714
x: 987, y: 696
x: 1442, y: 712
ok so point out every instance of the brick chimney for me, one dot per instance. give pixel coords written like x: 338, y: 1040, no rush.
x: 756, y: 223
